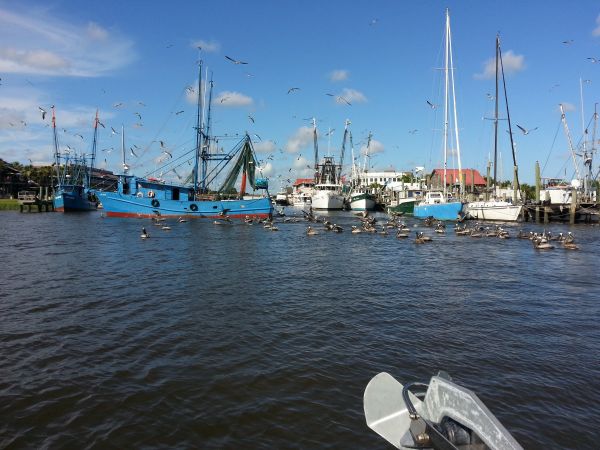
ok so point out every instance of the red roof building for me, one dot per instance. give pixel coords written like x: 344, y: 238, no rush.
x: 473, y: 177
x: 300, y: 181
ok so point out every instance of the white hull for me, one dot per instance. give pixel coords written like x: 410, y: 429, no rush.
x: 494, y: 210
x: 327, y: 200
x: 362, y: 203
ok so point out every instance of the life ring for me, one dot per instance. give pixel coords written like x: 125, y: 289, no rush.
x: 155, y: 203
x: 140, y: 195
x: 151, y: 194
x: 194, y: 207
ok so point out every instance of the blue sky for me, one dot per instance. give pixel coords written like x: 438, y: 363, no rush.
x: 381, y: 56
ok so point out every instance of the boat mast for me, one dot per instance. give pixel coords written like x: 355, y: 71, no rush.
x: 59, y: 179
x: 94, y: 143
x: 198, y: 127
x: 205, y: 153
x: 593, y: 149
x: 339, y: 180
x: 316, y: 147
x: 510, y: 133
x: 125, y: 166
x: 457, y: 140
x: 563, y: 118
x: 447, y: 47
x: 496, y: 120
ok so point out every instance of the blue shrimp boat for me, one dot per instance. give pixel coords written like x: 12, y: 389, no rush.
x: 72, y: 192
x: 145, y: 197
x: 436, y: 206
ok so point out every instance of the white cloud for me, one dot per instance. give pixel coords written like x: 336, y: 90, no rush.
x: 35, y: 42
x: 264, y: 147
x: 350, y: 96
x: 512, y: 63
x: 265, y: 170
x: 302, y: 138
x: 338, y: 75
x: 596, y: 31
x: 376, y: 147
x: 207, y: 46
x: 232, y: 99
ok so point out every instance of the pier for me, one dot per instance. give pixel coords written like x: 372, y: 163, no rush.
x: 29, y: 200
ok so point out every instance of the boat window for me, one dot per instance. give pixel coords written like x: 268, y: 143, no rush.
x: 176, y: 194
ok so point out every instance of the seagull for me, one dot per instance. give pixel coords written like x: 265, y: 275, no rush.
x: 341, y: 99
x: 224, y: 99
x: 78, y: 135
x: 330, y: 132
x: 594, y: 60
x: 431, y: 105
x: 490, y: 96
x: 24, y: 123
x: 373, y: 22
x: 132, y: 152
x: 167, y: 153
x: 141, y: 104
x: 118, y: 105
x: 568, y: 42
x: 43, y: 112
x: 526, y: 132
x: 235, y: 61
x: 331, y: 95
x: 101, y: 124
x: 178, y: 112
x: 190, y: 89
x: 138, y: 115
x: 413, y: 131
x: 113, y: 131
x: 138, y: 125
x: 251, y: 118
x: 259, y: 138
x: 293, y: 89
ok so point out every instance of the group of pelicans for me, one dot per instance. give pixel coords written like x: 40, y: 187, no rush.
x: 540, y: 241
x: 394, y: 225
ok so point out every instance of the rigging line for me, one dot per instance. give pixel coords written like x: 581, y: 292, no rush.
x: 552, y: 146
x: 170, y: 162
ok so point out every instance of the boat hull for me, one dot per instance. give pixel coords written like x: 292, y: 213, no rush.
x: 74, y: 201
x: 405, y: 207
x: 327, y: 200
x: 439, y: 211
x: 125, y: 205
x: 492, y: 210
x: 362, y: 202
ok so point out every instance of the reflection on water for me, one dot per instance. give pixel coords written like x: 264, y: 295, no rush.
x: 233, y: 336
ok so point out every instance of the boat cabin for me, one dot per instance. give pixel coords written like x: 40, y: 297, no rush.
x: 152, y: 188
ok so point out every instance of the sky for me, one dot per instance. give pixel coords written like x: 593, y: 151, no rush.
x: 374, y: 63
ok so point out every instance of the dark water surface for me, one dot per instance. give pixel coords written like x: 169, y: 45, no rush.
x: 235, y: 337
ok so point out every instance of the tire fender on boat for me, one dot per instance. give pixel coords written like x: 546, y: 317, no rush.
x: 155, y: 203
x: 151, y: 194
x: 139, y: 194
x: 194, y: 207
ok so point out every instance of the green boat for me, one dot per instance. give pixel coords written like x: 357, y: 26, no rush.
x: 402, y: 206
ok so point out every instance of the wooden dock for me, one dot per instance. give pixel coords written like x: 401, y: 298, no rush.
x: 30, y: 201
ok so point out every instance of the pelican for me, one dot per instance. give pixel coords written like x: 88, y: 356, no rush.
x: 310, y: 231
x: 144, y: 234
x: 166, y: 227
x: 181, y: 220
x: 355, y: 230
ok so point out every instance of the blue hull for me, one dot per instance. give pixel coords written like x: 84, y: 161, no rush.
x: 116, y: 204
x: 439, y: 211
x: 74, y: 201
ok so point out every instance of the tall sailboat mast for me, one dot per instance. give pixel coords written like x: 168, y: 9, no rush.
x: 198, y: 127
x: 205, y: 152
x: 496, y: 120
x: 457, y: 140
x: 510, y: 133
x: 316, y: 148
x: 446, y: 81
x: 339, y: 180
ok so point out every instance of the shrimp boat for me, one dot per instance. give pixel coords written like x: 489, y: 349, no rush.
x: 151, y: 197
x: 439, y: 204
x: 72, y: 192
x: 327, y: 193
x: 441, y: 416
x: 497, y: 209
x: 360, y: 197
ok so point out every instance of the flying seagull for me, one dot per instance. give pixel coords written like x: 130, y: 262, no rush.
x: 132, y: 152
x: 118, y: 105
x: 235, y: 61
x: 293, y: 89
x: 251, y: 118
x: 101, y: 124
x: 78, y: 135
x: 113, y: 131
x: 431, y: 105
x: 179, y: 112
x: 43, y: 112
x: 341, y: 99
x: 167, y: 153
x: 526, y: 132
x: 138, y: 115
x: 413, y: 131
x: 594, y: 60
x: 568, y: 42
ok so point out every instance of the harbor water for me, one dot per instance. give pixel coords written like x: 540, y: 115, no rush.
x: 221, y: 337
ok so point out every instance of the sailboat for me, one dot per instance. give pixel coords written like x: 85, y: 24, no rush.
x: 327, y: 192
x: 151, y: 197
x: 496, y: 209
x: 73, y: 174
x: 439, y: 204
x: 360, y: 197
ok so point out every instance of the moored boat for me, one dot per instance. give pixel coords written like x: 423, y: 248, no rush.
x: 72, y: 192
x: 402, y: 206
x: 150, y: 197
x: 437, y: 206
x: 328, y: 187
